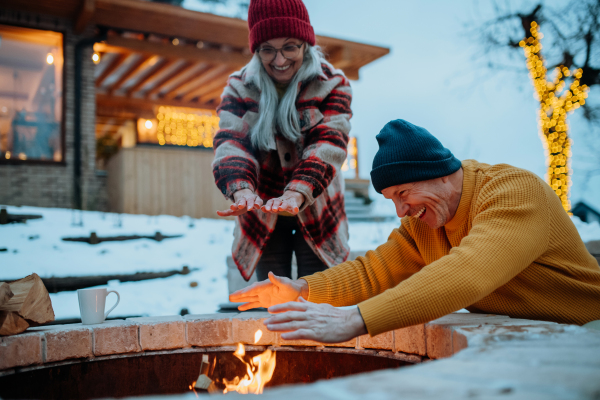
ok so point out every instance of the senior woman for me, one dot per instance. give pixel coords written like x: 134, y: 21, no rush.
x: 282, y: 139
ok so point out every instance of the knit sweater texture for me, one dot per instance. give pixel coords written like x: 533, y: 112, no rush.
x: 510, y: 249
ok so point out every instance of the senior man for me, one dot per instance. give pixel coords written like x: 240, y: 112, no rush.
x: 488, y: 238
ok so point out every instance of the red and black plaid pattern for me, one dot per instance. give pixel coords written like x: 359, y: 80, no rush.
x: 311, y: 166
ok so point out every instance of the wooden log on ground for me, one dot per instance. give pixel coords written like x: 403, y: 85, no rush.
x: 31, y: 300
x: 11, y: 323
x: 5, y: 293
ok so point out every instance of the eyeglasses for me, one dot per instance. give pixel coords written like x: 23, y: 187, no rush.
x: 290, y: 51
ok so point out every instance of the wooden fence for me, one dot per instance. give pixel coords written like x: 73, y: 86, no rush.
x: 158, y: 180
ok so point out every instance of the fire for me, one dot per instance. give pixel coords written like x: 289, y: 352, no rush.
x: 259, y: 370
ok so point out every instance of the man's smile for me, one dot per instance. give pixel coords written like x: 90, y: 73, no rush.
x: 421, y: 213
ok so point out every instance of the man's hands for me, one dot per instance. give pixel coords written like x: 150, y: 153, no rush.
x: 275, y: 290
x: 296, y: 317
x: 290, y: 202
x: 244, y: 200
x: 319, y: 322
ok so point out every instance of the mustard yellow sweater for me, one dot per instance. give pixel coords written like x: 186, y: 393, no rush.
x: 510, y: 249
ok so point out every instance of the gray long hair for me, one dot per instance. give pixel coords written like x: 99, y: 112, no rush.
x: 282, y: 114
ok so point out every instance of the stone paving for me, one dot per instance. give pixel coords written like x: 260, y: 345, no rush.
x: 457, y: 356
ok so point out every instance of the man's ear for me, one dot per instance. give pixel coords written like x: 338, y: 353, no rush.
x: 445, y: 179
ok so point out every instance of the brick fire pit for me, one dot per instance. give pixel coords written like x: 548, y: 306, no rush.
x: 497, y: 357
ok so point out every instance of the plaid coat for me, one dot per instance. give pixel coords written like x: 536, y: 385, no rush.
x: 311, y: 166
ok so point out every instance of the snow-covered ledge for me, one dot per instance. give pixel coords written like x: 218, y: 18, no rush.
x: 498, y: 354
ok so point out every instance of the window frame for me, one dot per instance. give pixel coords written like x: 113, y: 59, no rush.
x: 63, y: 133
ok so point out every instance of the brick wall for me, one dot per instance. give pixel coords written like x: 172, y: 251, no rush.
x: 52, y: 185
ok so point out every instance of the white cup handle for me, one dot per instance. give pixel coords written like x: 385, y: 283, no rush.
x: 118, y: 300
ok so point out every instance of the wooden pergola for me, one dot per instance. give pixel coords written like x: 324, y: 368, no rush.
x: 160, y: 54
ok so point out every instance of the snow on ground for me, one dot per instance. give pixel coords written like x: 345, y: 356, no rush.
x: 37, y: 247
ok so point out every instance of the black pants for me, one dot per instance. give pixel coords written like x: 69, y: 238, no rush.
x: 277, y: 254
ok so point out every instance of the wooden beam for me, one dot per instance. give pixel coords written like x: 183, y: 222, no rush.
x: 351, y: 73
x: 208, y: 75
x: 171, y: 21
x: 116, y: 62
x: 109, y: 111
x: 64, y: 8
x: 166, y: 81
x: 134, y: 105
x: 214, y: 94
x: 340, y: 57
x: 85, y: 16
x: 105, y: 127
x: 150, y: 74
x: 142, y: 63
x: 185, y: 84
x: 116, y: 44
x: 217, y: 82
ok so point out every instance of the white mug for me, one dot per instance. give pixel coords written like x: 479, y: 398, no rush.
x: 91, y: 305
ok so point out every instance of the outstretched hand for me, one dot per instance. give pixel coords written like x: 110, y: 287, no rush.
x: 290, y: 201
x: 244, y: 200
x: 267, y: 293
x: 319, y: 322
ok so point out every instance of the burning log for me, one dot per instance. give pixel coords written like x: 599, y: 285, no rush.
x: 11, y: 323
x: 31, y: 300
x: 204, y: 383
x: 5, y: 293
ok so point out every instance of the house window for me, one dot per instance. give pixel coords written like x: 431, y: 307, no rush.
x: 31, y: 95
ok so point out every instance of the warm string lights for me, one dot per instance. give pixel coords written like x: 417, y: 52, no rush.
x: 351, y: 163
x: 177, y: 127
x: 555, y: 103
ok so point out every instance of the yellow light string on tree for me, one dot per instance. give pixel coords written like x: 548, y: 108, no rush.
x: 555, y: 103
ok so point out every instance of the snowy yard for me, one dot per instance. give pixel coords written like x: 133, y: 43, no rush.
x: 37, y: 247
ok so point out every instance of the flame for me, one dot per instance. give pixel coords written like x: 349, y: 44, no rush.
x: 257, y: 336
x: 259, y: 370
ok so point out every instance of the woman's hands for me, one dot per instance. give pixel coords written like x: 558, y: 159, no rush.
x: 290, y: 202
x: 275, y: 290
x: 244, y: 200
x: 319, y: 322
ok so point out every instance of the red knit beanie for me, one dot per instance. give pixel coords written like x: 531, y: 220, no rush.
x: 271, y: 19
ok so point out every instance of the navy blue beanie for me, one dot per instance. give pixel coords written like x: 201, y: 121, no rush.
x: 408, y: 153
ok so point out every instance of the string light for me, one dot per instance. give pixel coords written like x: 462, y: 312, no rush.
x: 148, y: 124
x: 181, y: 128
x: 351, y: 163
x: 50, y: 59
x: 555, y: 102
x: 96, y: 57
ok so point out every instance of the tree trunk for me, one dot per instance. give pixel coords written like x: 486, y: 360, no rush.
x: 31, y: 300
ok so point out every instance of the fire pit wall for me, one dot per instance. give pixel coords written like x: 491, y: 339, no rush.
x: 63, y: 344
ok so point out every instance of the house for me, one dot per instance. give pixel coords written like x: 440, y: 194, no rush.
x: 586, y: 213
x: 110, y: 104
